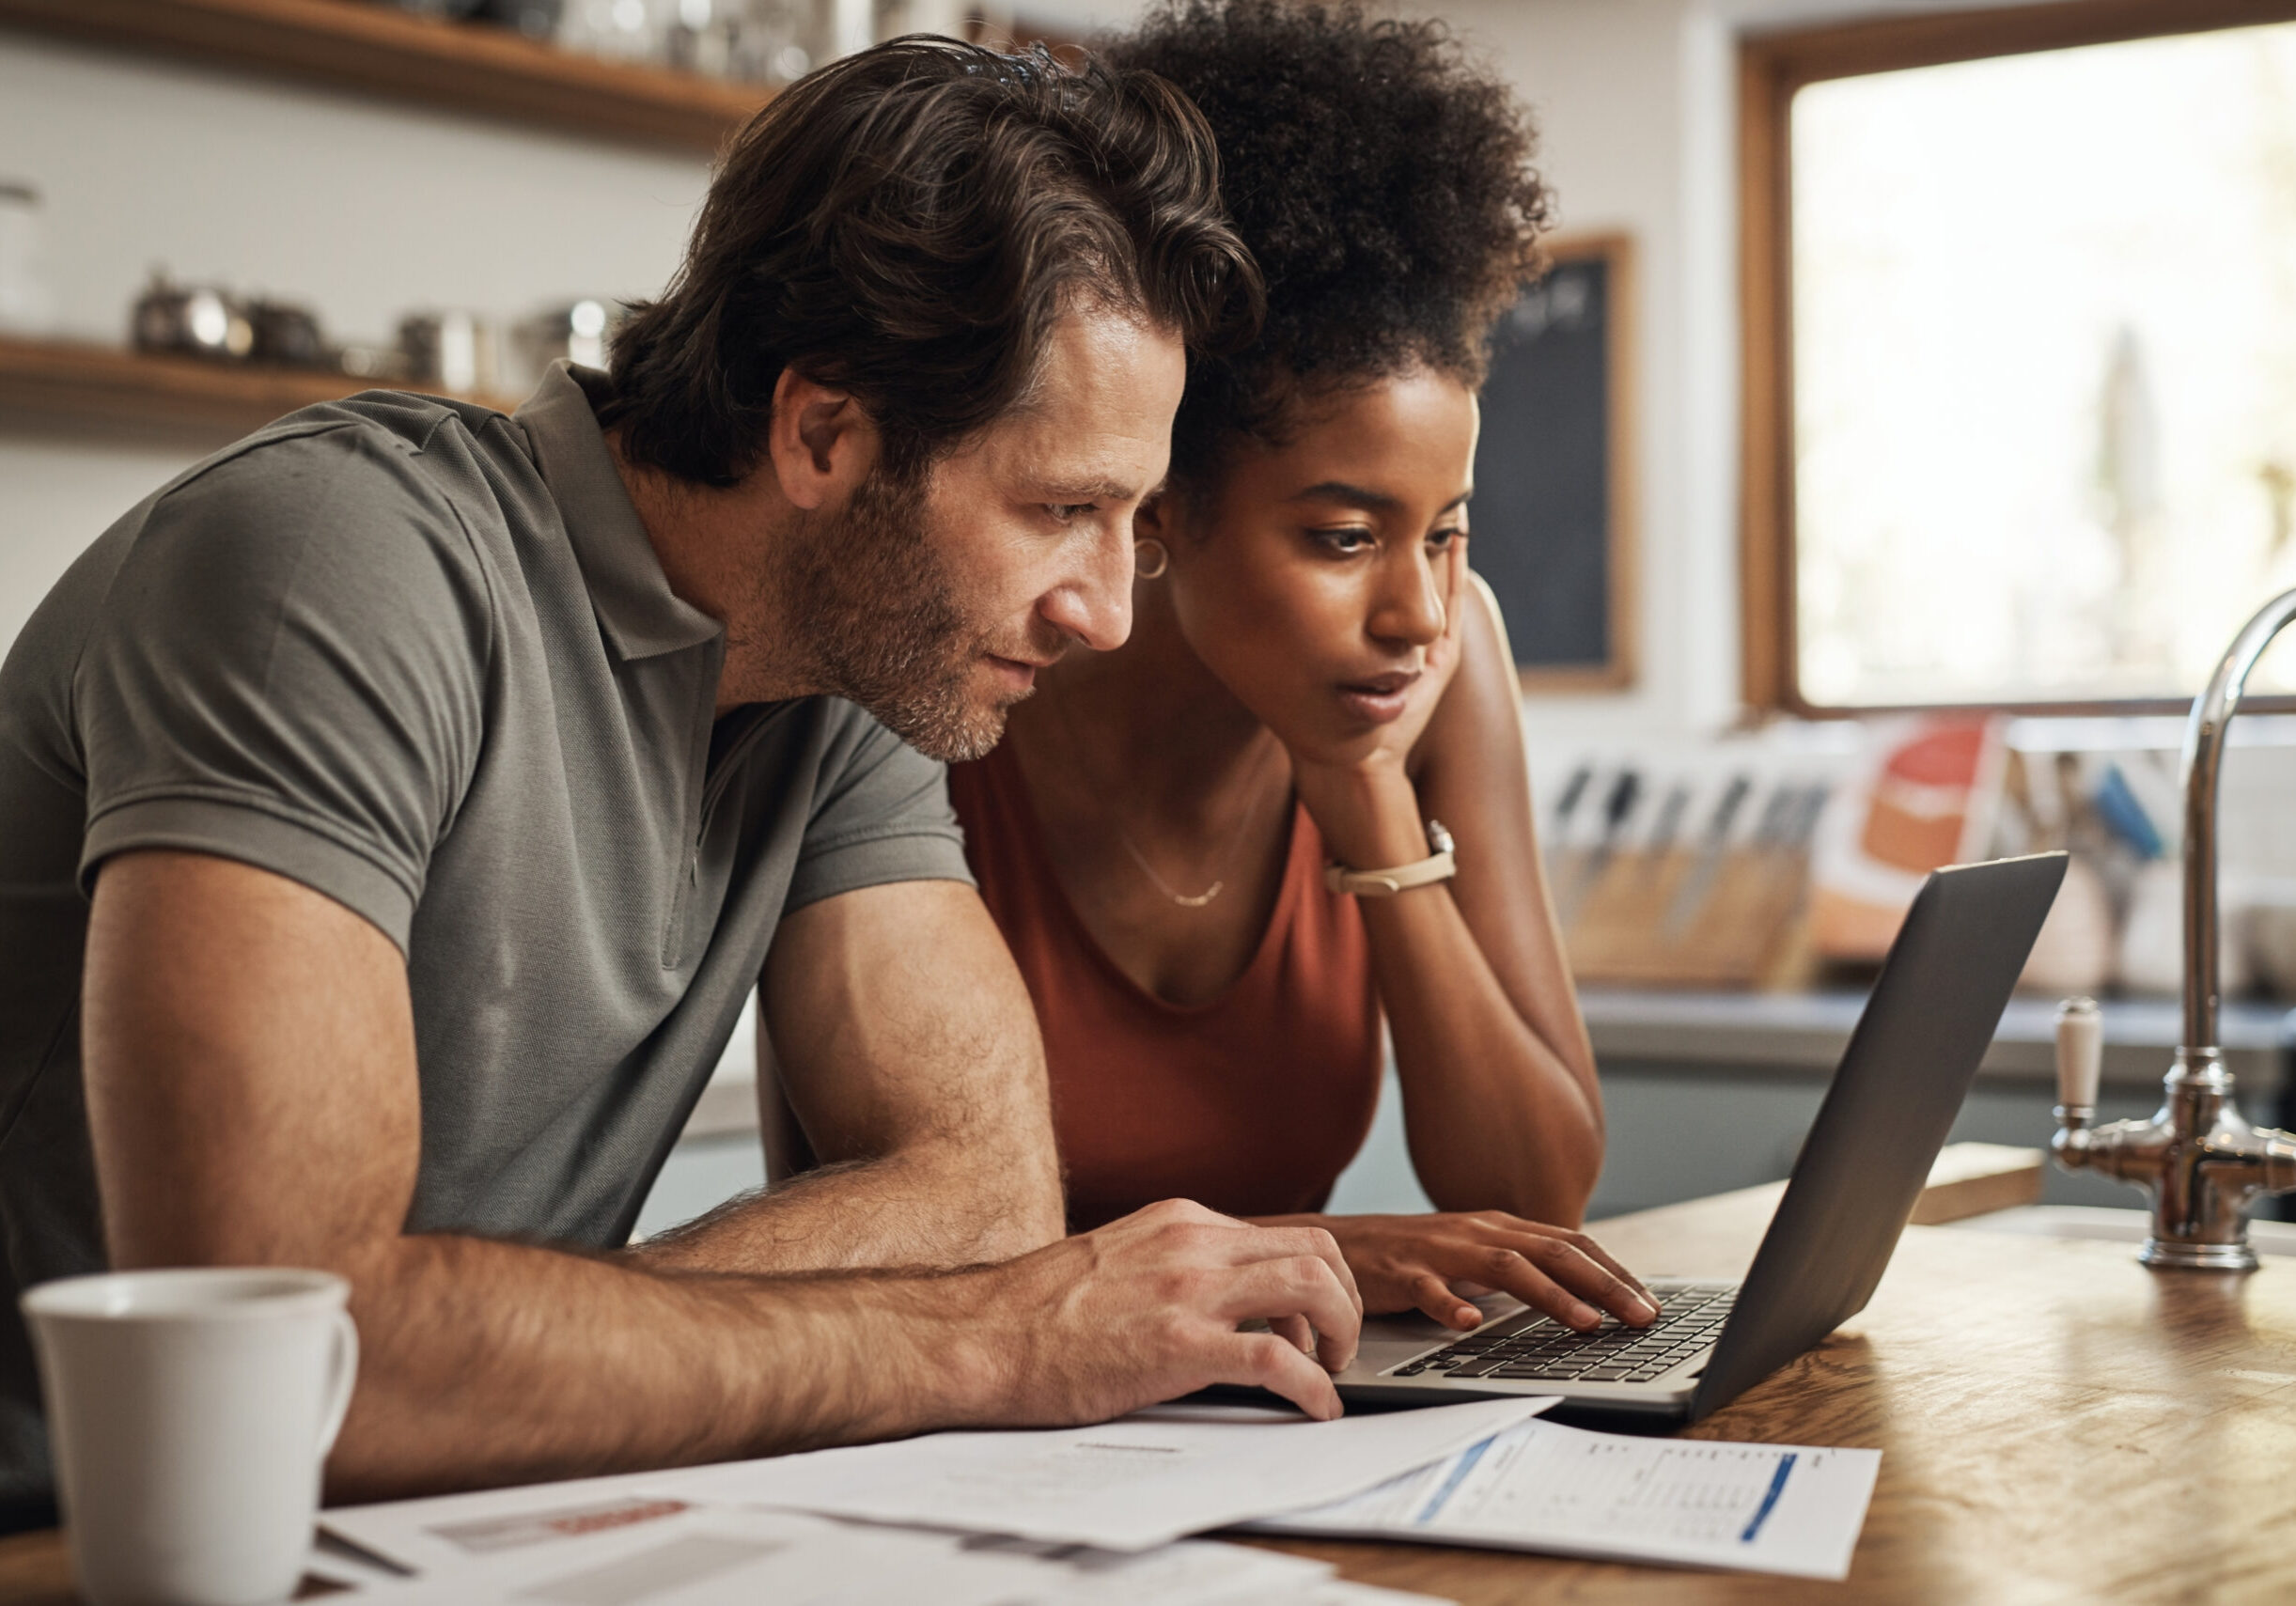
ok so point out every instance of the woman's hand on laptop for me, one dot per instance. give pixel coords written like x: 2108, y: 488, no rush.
x: 1436, y: 1263
x: 1147, y: 1308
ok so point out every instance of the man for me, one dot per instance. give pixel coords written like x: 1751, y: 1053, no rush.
x: 400, y: 805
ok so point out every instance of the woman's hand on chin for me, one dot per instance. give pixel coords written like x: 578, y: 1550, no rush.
x: 1359, y: 794
x: 1430, y: 1263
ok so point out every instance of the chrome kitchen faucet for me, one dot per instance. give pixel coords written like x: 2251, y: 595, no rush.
x: 2199, y: 1157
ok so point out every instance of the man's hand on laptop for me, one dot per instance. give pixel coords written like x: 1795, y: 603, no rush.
x: 1436, y: 1263
x: 1148, y: 1308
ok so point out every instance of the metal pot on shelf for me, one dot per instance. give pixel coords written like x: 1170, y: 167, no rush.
x: 289, y: 335
x: 455, y: 351
x: 195, y: 321
x: 580, y: 332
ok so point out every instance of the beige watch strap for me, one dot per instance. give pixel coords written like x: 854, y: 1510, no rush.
x: 1440, y: 865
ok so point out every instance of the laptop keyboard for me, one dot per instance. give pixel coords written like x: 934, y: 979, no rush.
x: 1531, y: 1348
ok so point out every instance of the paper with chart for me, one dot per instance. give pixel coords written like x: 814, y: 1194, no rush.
x: 700, y: 1555
x: 1126, y: 1485
x: 695, y: 1556
x: 1787, y: 1509
x: 448, y: 1531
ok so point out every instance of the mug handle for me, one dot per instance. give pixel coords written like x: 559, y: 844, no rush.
x: 342, y: 1373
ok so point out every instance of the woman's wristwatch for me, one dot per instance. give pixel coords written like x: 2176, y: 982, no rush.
x: 1438, y: 865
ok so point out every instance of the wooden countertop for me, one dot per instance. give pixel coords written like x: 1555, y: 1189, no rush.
x: 2057, y: 1423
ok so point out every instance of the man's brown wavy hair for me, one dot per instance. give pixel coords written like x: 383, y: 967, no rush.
x: 907, y: 225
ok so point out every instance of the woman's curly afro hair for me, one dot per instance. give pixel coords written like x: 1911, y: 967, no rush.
x: 1381, y: 179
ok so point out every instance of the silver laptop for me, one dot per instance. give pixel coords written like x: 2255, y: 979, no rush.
x: 1893, y: 1098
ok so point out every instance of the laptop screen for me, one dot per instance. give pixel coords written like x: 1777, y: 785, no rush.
x: 1893, y: 1101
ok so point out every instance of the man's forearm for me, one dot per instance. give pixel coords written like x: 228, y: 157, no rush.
x: 486, y: 1363
x: 933, y: 1207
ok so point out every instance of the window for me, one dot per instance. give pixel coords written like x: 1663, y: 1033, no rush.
x: 2020, y: 365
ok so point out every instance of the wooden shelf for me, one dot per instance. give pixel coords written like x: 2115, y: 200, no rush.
x: 74, y: 388
x: 379, y: 50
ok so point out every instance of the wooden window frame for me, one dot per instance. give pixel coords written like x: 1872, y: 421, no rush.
x: 1771, y: 68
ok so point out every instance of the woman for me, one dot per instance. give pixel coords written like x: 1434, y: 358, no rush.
x: 1314, y: 677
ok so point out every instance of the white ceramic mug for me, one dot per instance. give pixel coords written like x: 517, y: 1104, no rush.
x: 189, y: 1412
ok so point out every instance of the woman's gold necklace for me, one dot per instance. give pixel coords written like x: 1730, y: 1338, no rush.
x: 1186, y: 900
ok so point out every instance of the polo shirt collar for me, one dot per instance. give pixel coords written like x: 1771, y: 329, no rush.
x: 641, y: 616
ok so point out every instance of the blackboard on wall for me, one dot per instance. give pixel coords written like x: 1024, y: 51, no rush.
x: 1552, y: 524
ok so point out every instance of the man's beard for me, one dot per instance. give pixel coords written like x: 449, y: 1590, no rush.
x: 873, y: 595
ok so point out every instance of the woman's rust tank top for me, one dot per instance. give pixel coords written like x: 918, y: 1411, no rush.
x: 1252, y: 1103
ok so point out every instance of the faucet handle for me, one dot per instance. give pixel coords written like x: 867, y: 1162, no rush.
x: 2080, y: 1056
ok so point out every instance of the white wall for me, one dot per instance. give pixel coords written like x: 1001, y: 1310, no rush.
x: 362, y: 209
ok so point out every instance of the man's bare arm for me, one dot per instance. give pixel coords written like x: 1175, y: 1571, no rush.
x: 249, y: 1054
x: 908, y: 1053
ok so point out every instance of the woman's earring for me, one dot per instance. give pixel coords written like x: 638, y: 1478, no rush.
x: 1142, y: 558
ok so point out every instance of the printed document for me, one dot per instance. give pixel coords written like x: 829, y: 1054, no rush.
x: 1127, y: 1485
x: 449, y: 1532
x: 698, y: 1557
x: 1784, y: 1508
x: 716, y: 1556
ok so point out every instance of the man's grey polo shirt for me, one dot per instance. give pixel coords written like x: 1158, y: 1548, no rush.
x: 421, y: 657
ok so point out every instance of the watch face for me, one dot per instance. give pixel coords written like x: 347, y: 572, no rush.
x: 1438, y: 839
